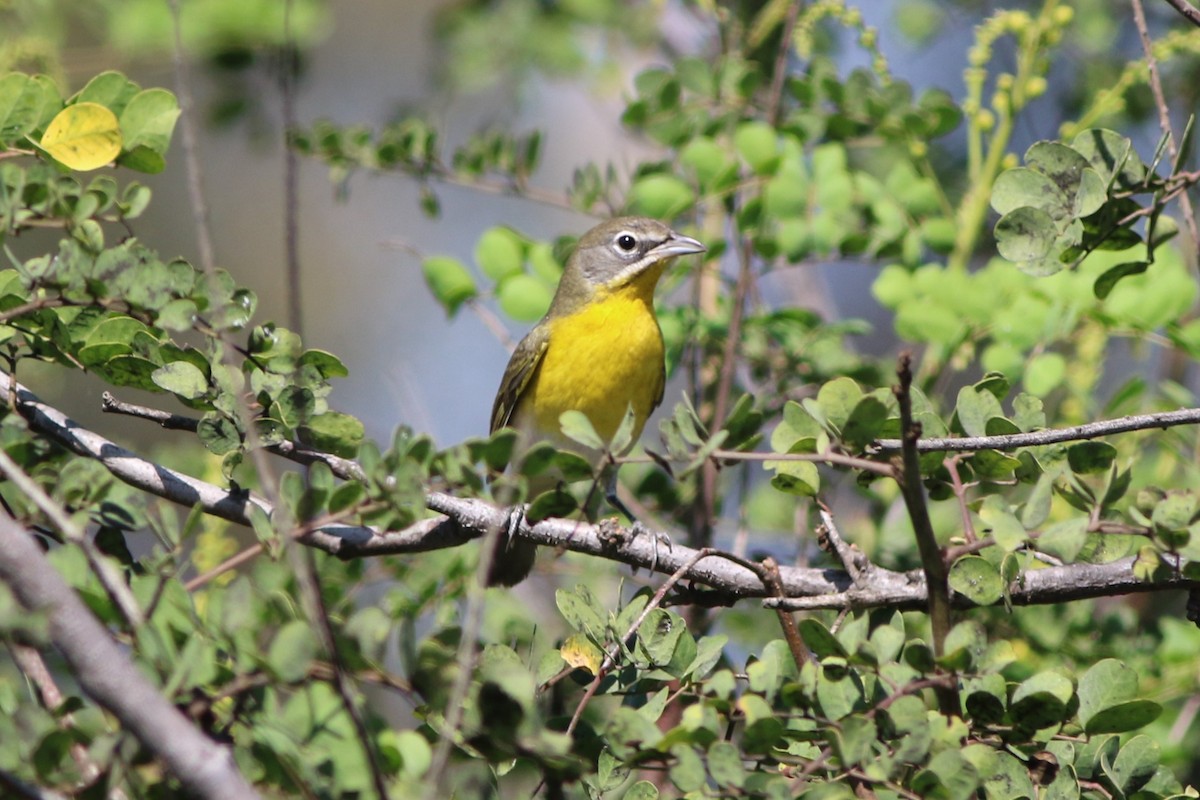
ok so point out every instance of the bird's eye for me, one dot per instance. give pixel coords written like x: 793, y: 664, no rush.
x: 626, y: 242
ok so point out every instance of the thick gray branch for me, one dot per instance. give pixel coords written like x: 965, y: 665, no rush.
x: 106, y: 674
x: 467, y: 519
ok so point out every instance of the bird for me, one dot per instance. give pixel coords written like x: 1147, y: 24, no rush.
x: 598, y: 350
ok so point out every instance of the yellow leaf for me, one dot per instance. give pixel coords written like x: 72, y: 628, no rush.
x: 581, y: 653
x: 83, y: 136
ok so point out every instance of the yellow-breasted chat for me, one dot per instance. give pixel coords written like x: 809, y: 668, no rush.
x: 598, y: 350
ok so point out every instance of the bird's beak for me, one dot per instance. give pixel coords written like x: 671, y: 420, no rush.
x: 678, y: 245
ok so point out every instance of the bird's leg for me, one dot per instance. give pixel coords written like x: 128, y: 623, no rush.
x: 636, y: 527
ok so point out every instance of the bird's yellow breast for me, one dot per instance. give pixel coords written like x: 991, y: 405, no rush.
x: 600, y: 360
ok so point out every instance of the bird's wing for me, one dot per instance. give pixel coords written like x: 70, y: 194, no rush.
x: 662, y: 385
x: 521, y: 368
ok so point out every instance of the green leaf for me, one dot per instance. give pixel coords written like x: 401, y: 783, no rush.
x: 820, y: 640
x: 499, y: 253
x: 687, y: 771
x: 976, y: 579
x: 449, y: 280
x: 292, y: 651
x: 576, y: 426
x: 332, y: 432
x: 218, y: 433
x: 758, y: 144
x: 642, y: 790
x: 838, y: 695
x: 627, y: 727
x: 949, y: 776
x: 708, y: 653
x: 1057, y: 161
x: 1037, y: 506
x: 327, y: 364
x: 711, y: 162
x: 110, y: 89
x: 1108, y: 699
x: 797, y: 432
x: 524, y: 297
x: 837, y: 400
x: 795, y: 477
x: 178, y: 315
x: 864, y: 423
x: 1028, y: 413
x: 1109, y: 278
x: 1044, y: 373
x: 1135, y: 764
x: 974, y: 408
x: 725, y: 764
x: 1025, y: 234
x: 21, y: 102
x: 1112, y: 156
x: 660, y: 196
x: 181, y: 378
x: 1022, y: 187
x: 149, y: 119
x: 580, y: 610
x: 1091, y: 458
x: 623, y: 437
x: 1041, y: 700
x: 1004, y: 526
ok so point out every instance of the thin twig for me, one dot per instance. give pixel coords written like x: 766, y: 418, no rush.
x: 465, y: 658
x: 18, y: 789
x: 779, y: 71
x: 790, y: 633
x: 853, y: 560
x: 33, y: 305
x: 110, y: 578
x: 1190, y: 12
x: 1164, y: 114
x: 909, y: 480
x: 106, y: 674
x: 166, y: 419
x: 960, y: 492
x: 341, y: 467
x: 31, y: 664
x: 610, y: 658
x: 187, y: 131
x: 341, y: 679
x: 1012, y: 441
x: 827, y: 457
x: 706, y: 498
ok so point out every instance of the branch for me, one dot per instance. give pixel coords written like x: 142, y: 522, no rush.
x: 1190, y: 12
x: 1012, y: 441
x: 108, y: 575
x: 909, y: 480
x: 342, y: 467
x: 1032, y: 587
x: 1164, y: 114
x: 466, y: 519
x: 106, y: 674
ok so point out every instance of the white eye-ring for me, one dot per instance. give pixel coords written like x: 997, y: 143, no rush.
x: 626, y: 242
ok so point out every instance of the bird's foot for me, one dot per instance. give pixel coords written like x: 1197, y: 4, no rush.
x: 658, y: 538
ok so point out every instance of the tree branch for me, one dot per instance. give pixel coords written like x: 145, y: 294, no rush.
x: 1190, y: 12
x: 1012, y: 441
x: 1164, y: 114
x: 909, y: 479
x: 106, y: 674
x: 466, y: 519
x: 342, y: 467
